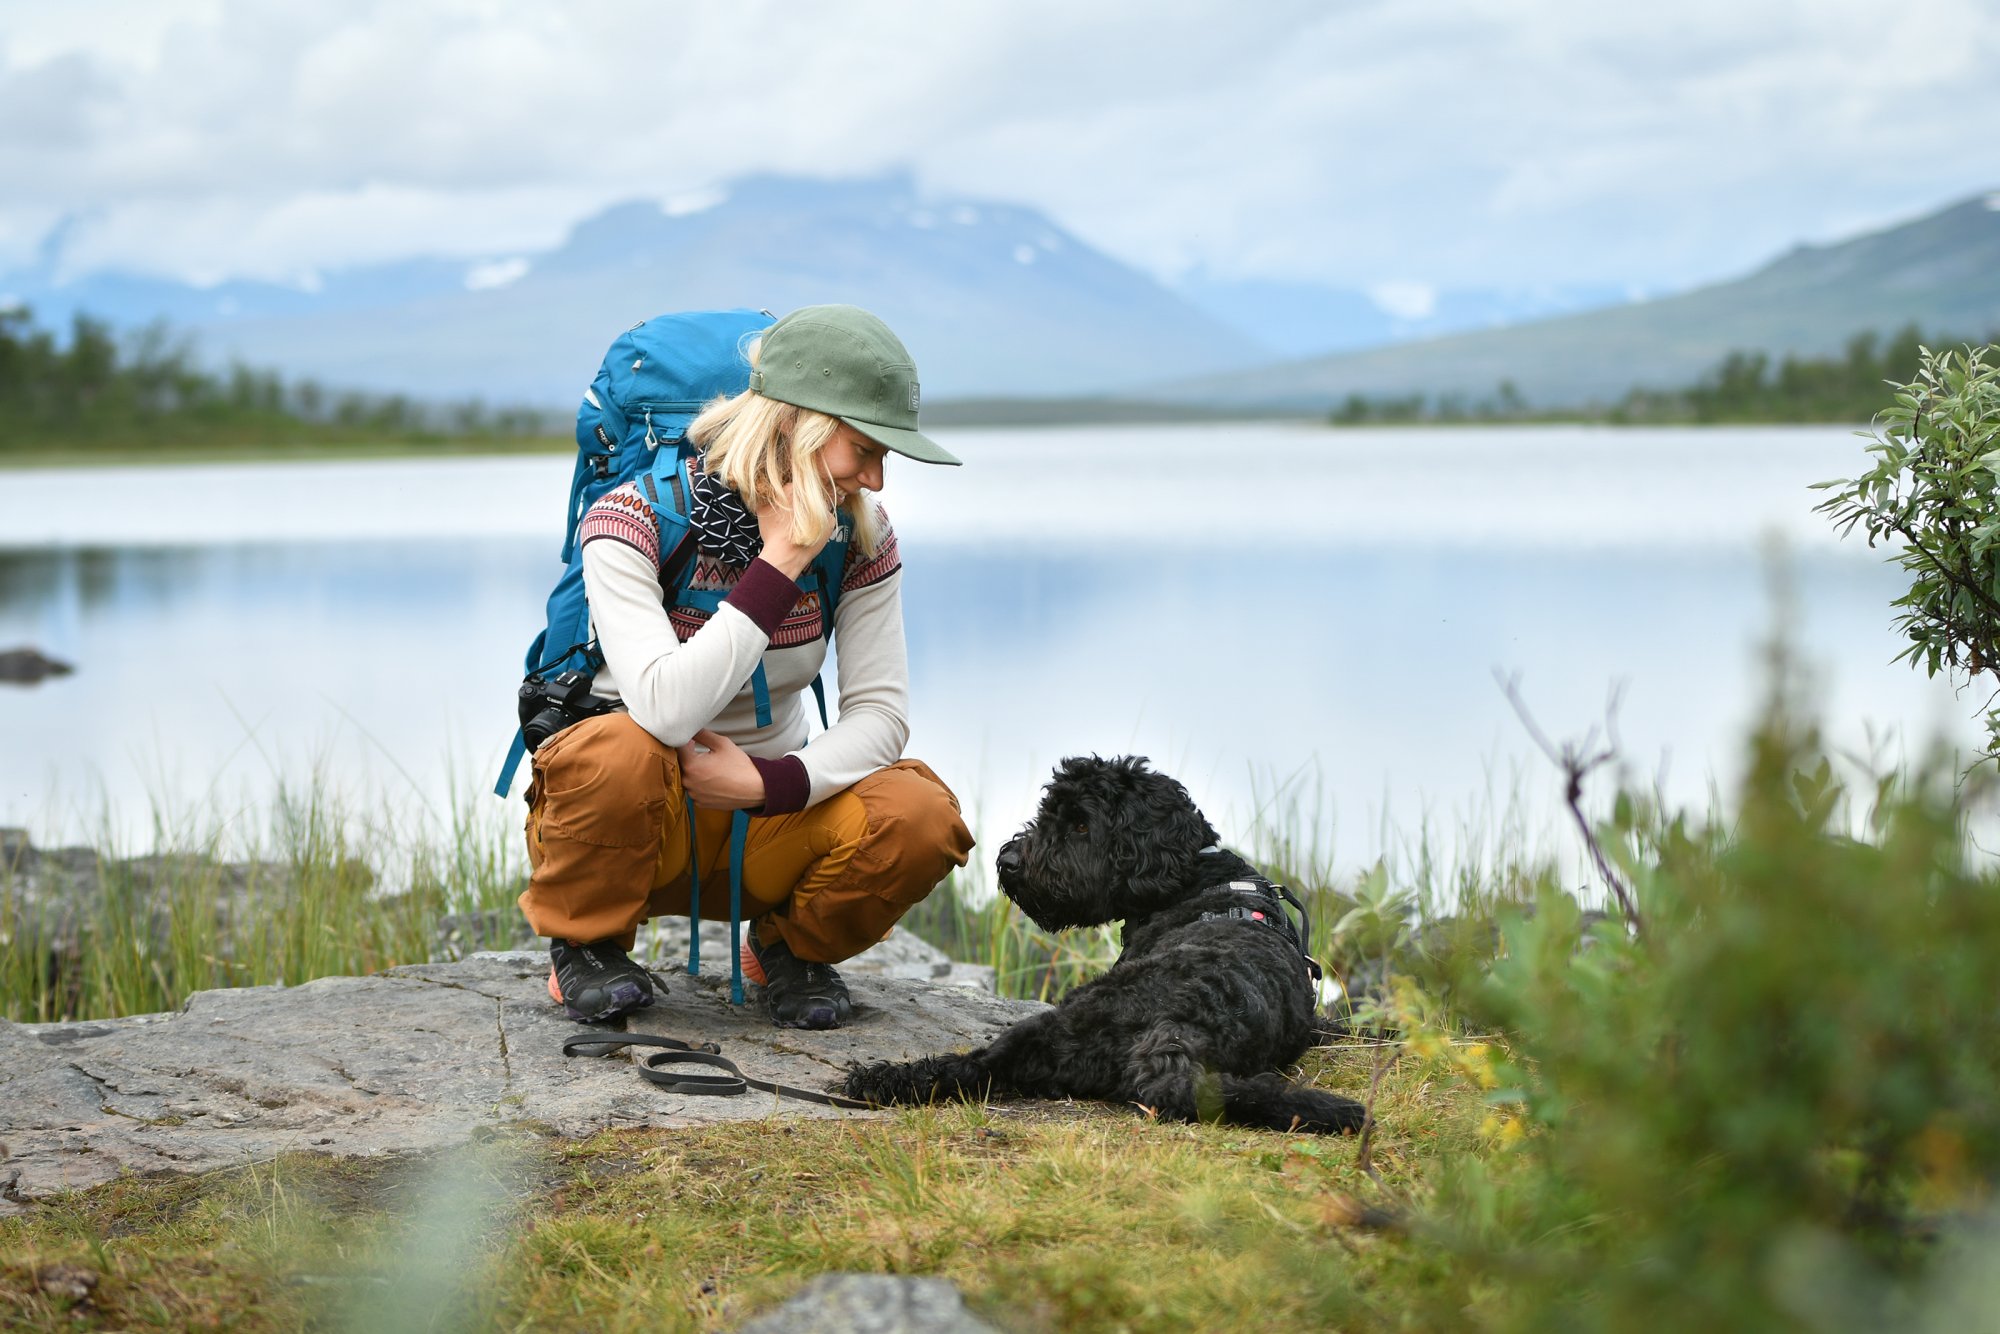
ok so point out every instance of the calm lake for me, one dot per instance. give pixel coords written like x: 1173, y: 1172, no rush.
x: 1264, y: 609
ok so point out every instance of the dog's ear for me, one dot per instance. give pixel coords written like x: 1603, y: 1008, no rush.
x: 1160, y: 831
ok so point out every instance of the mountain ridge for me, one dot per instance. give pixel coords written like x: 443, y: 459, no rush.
x: 992, y: 298
x: 998, y: 301
x: 1940, y: 271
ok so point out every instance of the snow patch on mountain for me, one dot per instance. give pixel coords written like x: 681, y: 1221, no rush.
x: 495, y: 274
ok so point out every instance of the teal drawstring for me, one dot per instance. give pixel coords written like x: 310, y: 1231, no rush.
x: 739, y: 833
x: 694, y: 895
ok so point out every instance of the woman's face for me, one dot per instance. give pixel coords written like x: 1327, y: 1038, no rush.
x: 853, y: 462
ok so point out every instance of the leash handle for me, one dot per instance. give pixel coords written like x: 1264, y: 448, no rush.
x: 730, y: 1084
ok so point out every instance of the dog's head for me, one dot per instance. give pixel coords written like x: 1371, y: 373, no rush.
x: 1112, y: 839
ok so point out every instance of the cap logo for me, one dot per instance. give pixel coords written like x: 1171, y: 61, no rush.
x: 913, y: 395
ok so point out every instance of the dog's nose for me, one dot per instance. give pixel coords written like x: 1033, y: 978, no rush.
x: 1009, y: 860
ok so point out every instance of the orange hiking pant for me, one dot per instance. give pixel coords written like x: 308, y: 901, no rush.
x: 608, y: 846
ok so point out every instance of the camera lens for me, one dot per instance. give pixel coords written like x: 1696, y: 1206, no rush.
x: 544, y: 725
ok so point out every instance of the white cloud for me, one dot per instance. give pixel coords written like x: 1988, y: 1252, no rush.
x: 693, y: 202
x: 257, y: 234
x: 1455, y: 140
x: 1404, y: 300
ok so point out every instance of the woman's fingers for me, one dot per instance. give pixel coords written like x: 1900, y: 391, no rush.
x: 777, y: 524
x: 716, y: 773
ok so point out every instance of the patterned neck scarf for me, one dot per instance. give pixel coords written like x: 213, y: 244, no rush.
x: 724, y: 527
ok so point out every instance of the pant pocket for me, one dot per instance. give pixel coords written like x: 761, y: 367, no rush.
x: 916, y: 835
x: 605, y: 782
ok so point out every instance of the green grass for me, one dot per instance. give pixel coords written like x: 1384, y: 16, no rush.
x: 1081, y: 1218
x: 315, y: 890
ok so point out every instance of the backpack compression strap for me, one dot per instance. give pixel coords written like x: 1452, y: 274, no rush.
x: 739, y: 834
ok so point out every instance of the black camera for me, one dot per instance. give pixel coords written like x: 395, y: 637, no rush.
x: 548, y: 706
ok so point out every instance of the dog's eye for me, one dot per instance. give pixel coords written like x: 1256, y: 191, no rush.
x: 1080, y: 829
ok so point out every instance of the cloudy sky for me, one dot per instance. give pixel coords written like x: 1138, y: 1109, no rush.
x: 1454, y: 142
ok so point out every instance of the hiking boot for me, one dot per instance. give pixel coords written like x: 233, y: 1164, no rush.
x: 598, y: 981
x: 798, y: 993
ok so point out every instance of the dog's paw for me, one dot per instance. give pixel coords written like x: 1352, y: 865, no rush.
x: 930, y: 1079
x: 871, y: 1083
x: 1329, y: 1114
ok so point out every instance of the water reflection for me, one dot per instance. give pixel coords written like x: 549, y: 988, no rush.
x: 392, y: 667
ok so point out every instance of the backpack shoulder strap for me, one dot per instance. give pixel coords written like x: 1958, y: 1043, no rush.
x: 665, y: 487
x: 828, y: 571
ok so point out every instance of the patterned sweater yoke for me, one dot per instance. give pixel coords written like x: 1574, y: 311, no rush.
x: 623, y: 515
x: 678, y: 668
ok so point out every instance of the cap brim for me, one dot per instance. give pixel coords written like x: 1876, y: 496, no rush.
x: 910, y: 444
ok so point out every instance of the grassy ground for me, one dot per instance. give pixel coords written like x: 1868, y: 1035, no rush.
x: 1072, y: 1217
x: 1046, y: 1217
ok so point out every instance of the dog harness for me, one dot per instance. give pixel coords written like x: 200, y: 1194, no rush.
x: 1270, y: 912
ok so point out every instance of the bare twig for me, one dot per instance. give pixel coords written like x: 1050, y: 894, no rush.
x: 1578, y: 760
x: 1364, y: 1153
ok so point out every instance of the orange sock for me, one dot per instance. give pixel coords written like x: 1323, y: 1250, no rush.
x: 752, y: 970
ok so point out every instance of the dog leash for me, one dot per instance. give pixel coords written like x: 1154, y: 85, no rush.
x: 732, y: 1083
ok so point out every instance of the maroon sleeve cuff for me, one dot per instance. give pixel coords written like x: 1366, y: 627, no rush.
x: 786, y: 785
x: 764, y: 594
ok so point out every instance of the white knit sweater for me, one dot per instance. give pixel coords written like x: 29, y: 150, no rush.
x: 680, y: 673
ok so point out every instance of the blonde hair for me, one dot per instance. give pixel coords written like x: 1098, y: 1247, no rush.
x: 757, y: 444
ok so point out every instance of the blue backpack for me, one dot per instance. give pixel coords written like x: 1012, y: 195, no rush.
x: 632, y: 425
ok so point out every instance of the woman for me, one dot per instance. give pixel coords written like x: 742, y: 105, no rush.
x: 844, y: 835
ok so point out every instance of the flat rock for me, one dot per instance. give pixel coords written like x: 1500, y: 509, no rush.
x: 871, y: 1304
x: 665, y: 939
x: 414, y: 1058
x: 26, y: 666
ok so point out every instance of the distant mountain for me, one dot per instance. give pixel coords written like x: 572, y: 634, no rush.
x: 1941, y: 272
x: 1310, y: 319
x: 992, y: 299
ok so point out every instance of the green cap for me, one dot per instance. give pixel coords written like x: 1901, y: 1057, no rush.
x: 844, y: 362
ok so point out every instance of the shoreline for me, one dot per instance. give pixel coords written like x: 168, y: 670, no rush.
x: 139, y: 455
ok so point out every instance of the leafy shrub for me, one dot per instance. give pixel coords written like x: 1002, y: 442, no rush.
x: 1932, y: 494
x: 1763, y: 1112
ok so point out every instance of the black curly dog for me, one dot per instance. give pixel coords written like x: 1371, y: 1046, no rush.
x: 1209, y: 1000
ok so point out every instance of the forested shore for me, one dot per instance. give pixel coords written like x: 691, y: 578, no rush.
x: 94, y: 391
x: 96, y: 394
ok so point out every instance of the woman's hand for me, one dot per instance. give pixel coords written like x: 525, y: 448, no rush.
x: 717, y: 775
x: 774, y: 523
